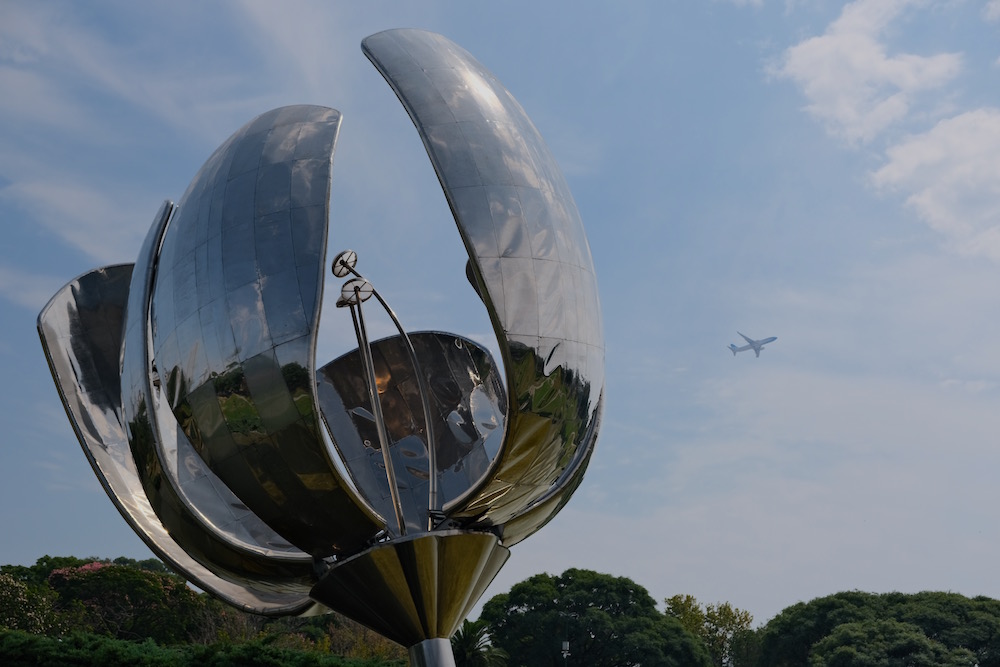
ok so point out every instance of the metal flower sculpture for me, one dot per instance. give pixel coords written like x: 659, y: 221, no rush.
x: 190, y: 376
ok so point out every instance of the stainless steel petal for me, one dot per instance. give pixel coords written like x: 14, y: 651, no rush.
x: 219, y: 532
x: 466, y: 406
x: 530, y: 262
x: 238, y: 352
x: 81, y: 333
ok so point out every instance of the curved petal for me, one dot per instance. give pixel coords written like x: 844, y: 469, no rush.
x: 529, y: 257
x: 81, y: 333
x: 467, y: 404
x: 235, y: 307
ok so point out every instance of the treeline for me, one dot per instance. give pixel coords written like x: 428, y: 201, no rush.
x: 87, y: 611
x: 72, y: 611
x: 611, y: 621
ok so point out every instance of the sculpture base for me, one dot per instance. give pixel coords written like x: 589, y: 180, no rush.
x: 432, y: 653
x: 415, y: 590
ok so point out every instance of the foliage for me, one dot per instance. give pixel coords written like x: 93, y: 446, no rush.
x: 38, y: 574
x: 607, y: 620
x: 885, y: 642
x: 21, y: 648
x: 127, y: 603
x: 138, y: 613
x: 472, y: 648
x: 81, y: 649
x: 24, y: 608
x: 141, y: 599
x: 331, y: 633
x: 725, y: 630
x: 855, y: 628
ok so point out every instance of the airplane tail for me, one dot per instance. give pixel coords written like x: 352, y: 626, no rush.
x: 733, y: 348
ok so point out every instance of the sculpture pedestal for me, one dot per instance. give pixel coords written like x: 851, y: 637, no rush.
x: 432, y: 653
x: 416, y: 590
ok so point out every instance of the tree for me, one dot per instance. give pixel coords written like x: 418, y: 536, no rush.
x: 855, y: 628
x: 128, y: 603
x: 788, y: 638
x: 25, y: 608
x: 472, y: 648
x: 725, y: 630
x: 38, y: 574
x: 608, y: 621
x: 885, y: 643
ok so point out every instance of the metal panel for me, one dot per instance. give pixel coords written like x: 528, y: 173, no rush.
x: 510, y: 202
x: 467, y: 405
x: 210, y: 533
x: 416, y: 588
x: 272, y: 225
x: 81, y: 333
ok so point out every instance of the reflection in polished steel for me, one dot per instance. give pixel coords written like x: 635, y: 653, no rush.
x: 191, y: 382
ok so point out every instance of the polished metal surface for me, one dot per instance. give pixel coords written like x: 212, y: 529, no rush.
x: 390, y: 483
x: 432, y: 653
x: 467, y: 404
x: 235, y: 310
x: 417, y: 587
x: 220, y: 532
x: 530, y: 261
x: 81, y: 330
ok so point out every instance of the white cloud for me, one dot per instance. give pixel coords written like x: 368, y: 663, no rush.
x: 312, y: 50
x: 952, y: 178
x: 853, y: 85
x: 992, y: 10
x: 87, y: 219
x: 30, y: 290
x: 57, y: 72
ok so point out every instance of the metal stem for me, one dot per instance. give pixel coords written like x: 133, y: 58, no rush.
x: 433, y: 501
x: 383, y: 437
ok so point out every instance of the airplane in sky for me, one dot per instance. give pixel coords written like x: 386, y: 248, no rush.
x: 755, y: 345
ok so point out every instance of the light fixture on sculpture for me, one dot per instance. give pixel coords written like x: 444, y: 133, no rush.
x: 191, y: 382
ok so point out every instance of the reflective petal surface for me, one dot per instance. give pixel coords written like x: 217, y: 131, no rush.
x: 81, y: 332
x: 234, y: 312
x: 530, y: 261
x: 467, y: 405
x: 191, y: 383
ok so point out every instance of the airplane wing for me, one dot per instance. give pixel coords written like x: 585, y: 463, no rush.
x: 755, y: 345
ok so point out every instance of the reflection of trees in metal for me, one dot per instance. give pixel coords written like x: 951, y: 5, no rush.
x: 208, y: 435
x: 466, y: 398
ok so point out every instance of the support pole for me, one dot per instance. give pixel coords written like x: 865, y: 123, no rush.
x: 432, y: 653
x: 383, y: 436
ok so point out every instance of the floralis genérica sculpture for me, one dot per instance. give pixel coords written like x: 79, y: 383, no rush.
x: 390, y: 483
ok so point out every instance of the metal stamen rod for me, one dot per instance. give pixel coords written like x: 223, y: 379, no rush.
x: 383, y: 437
x: 344, y: 264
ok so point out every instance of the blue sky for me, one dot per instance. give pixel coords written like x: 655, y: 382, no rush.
x: 825, y: 172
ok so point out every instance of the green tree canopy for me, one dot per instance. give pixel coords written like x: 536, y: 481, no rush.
x: 725, y: 630
x: 608, y: 621
x: 25, y: 608
x: 885, y: 643
x: 472, y: 647
x: 854, y: 628
x: 128, y: 603
x: 38, y: 574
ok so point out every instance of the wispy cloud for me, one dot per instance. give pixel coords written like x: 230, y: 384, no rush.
x: 307, y: 48
x: 86, y: 218
x: 952, y: 179
x: 992, y: 10
x: 53, y: 63
x: 946, y: 174
x: 853, y: 84
x: 31, y: 290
